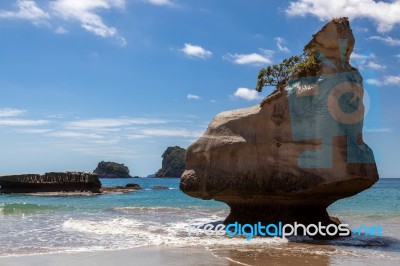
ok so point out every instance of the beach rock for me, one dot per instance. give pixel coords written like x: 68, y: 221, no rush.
x: 50, y: 182
x: 133, y: 186
x: 298, y: 151
x: 173, y: 163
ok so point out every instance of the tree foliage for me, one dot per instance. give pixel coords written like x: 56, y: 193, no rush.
x: 276, y: 75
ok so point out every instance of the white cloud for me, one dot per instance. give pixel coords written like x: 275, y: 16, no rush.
x: 23, y: 122
x: 6, y: 112
x: 171, y: 132
x: 386, y: 80
x: 378, y: 130
x: 27, y: 10
x: 280, y: 43
x: 388, y: 40
x: 136, y: 136
x: 255, y: 59
x: 160, y: 2
x: 61, y: 30
x: 360, y: 29
x: 384, y: 14
x: 374, y: 82
x: 73, y: 134
x: 363, y: 61
x: 193, y: 97
x: 357, y: 56
x: 247, y: 94
x: 96, y: 124
x: 375, y: 66
x: 35, y: 130
x: 84, y: 11
x: 195, y: 51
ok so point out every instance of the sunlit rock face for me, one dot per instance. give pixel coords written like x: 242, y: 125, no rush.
x: 298, y: 151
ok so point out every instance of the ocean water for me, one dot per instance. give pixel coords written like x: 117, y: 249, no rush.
x: 48, y: 224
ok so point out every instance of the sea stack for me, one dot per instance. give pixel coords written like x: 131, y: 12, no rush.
x: 298, y: 151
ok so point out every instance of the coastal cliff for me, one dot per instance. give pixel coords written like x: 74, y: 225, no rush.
x: 173, y: 163
x: 290, y: 157
x: 50, y: 182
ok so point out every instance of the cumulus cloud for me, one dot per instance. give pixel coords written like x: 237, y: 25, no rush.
x: 387, y: 39
x: 6, y: 112
x: 160, y: 2
x: 256, y: 59
x: 280, y: 43
x: 61, y: 30
x: 27, y: 10
x: 83, y: 11
x: 363, y: 61
x: 386, y: 80
x: 193, y: 97
x: 195, y: 51
x: 384, y: 14
x: 247, y: 94
x: 376, y: 66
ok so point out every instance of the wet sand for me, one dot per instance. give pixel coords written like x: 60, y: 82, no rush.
x: 294, y: 254
x: 136, y: 256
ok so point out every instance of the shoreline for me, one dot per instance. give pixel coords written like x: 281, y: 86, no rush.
x: 174, y: 256
x: 131, y: 256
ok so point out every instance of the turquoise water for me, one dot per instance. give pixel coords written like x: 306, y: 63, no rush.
x: 43, y: 224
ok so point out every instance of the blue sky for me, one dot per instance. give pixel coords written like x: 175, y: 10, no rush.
x: 88, y: 80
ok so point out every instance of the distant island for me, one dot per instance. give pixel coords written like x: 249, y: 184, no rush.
x: 61, y: 184
x: 173, y: 163
x: 112, y: 170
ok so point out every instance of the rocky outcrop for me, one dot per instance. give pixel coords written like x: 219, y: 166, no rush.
x: 112, y: 170
x: 50, y: 182
x: 133, y: 186
x: 173, y: 163
x: 128, y: 188
x: 290, y: 157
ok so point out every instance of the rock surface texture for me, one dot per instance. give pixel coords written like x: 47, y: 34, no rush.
x: 50, y: 182
x: 290, y: 157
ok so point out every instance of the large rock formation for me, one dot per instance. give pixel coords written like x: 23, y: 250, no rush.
x: 112, y: 170
x: 173, y: 163
x: 50, y: 182
x: 290, y: 157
